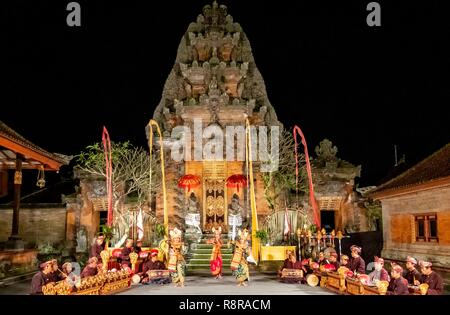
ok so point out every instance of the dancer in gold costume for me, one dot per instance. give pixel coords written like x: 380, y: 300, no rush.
x: 177, y: 263
x: 239, y: 264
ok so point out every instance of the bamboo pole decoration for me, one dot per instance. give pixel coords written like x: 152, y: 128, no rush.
x: 312, y: 198
x: 108, y: 173
x: 255, y: 243
x: 163, y: 179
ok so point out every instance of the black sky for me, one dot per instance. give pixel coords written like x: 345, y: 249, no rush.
x: 364, y: 88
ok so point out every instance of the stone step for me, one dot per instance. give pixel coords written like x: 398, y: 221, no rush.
x: 208, y: 256
x: 210, y: 246
x: 204, y: 267
x: 207, y: 260
x: 207, y: 273
x: 209, y: 251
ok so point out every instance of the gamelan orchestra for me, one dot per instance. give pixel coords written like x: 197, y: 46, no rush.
x: 347, y: 275
x: 110, y: 270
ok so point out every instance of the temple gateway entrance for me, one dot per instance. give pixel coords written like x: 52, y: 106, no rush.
x: 215, y: 203
x: 214, y: 195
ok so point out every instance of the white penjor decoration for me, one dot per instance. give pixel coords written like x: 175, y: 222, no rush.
x: 234, y: 221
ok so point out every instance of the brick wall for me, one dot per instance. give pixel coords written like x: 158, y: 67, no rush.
x: 37, y: 224
x: 399, y: 228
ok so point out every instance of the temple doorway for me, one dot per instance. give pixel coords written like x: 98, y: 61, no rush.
x: 327, y: 219
x: 214, y: 212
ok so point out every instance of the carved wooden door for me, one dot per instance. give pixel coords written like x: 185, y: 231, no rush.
x: 215, y: 202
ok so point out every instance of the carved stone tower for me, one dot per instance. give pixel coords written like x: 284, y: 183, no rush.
x: 214, y: 79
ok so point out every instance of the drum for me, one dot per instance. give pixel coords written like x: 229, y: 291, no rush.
x: 292, y: 273
x: 312, y: 280
x: 136, y: 279
x: 157, y: 274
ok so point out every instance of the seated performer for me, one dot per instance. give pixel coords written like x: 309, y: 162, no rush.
x: 356, y: 264
x: 98, y: 247
x: 91, y: 268
x: 434, y: 280
x: 125, y: 253
x: 292, y: 263
x: 70, y: 276
x: 54, y: 275
x: 333, y: 260
x: 286, y: 262
x: 153, y: 264
x: 412, y: 274
x: 321, y: 259
x: 379, y: 274
x: 306, y: 263
x: 398, y: 285
x: 41, y: 278
x: 344, y: 261
x: 138, y: 247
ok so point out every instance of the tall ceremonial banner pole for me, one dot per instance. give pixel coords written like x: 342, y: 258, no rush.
x: 255, y: 241
x: 312, y: 199
x: 108, y: 173
x: 163, y: 182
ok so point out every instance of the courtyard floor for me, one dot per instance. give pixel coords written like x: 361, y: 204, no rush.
x: 260, y: 284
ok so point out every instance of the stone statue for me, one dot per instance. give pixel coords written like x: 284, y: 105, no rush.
x: 235, y: 207
x: 326, y: 151
x: 81, y: 241
x: 192, y: 219
x: 193, y: 206
x: 234, y: 215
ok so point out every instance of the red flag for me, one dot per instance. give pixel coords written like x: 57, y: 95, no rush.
x: 108, y: 172
x: 312, y: 199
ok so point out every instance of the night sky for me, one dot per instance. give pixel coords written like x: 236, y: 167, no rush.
x: 364, y: 88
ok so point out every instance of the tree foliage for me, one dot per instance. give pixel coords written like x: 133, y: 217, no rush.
x: 283, y: 180
x: 131, y: 173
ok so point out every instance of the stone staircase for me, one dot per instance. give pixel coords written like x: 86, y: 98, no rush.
x: 200, y: 256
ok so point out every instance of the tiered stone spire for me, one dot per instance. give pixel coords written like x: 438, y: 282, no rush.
x: 214, y: 77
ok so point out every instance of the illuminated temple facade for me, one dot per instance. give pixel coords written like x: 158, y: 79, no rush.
x: 214, y: 79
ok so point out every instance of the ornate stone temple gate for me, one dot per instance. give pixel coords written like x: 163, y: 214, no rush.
x: 214, y: 79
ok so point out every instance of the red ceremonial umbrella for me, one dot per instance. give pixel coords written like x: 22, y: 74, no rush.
x: 237, y: 180
x: 189, y: 181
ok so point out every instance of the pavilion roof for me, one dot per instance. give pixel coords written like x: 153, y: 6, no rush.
x: 12, y: 143
x: 433, y: 169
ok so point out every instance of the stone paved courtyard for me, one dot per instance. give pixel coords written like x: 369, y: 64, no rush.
x: 260, y: 284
